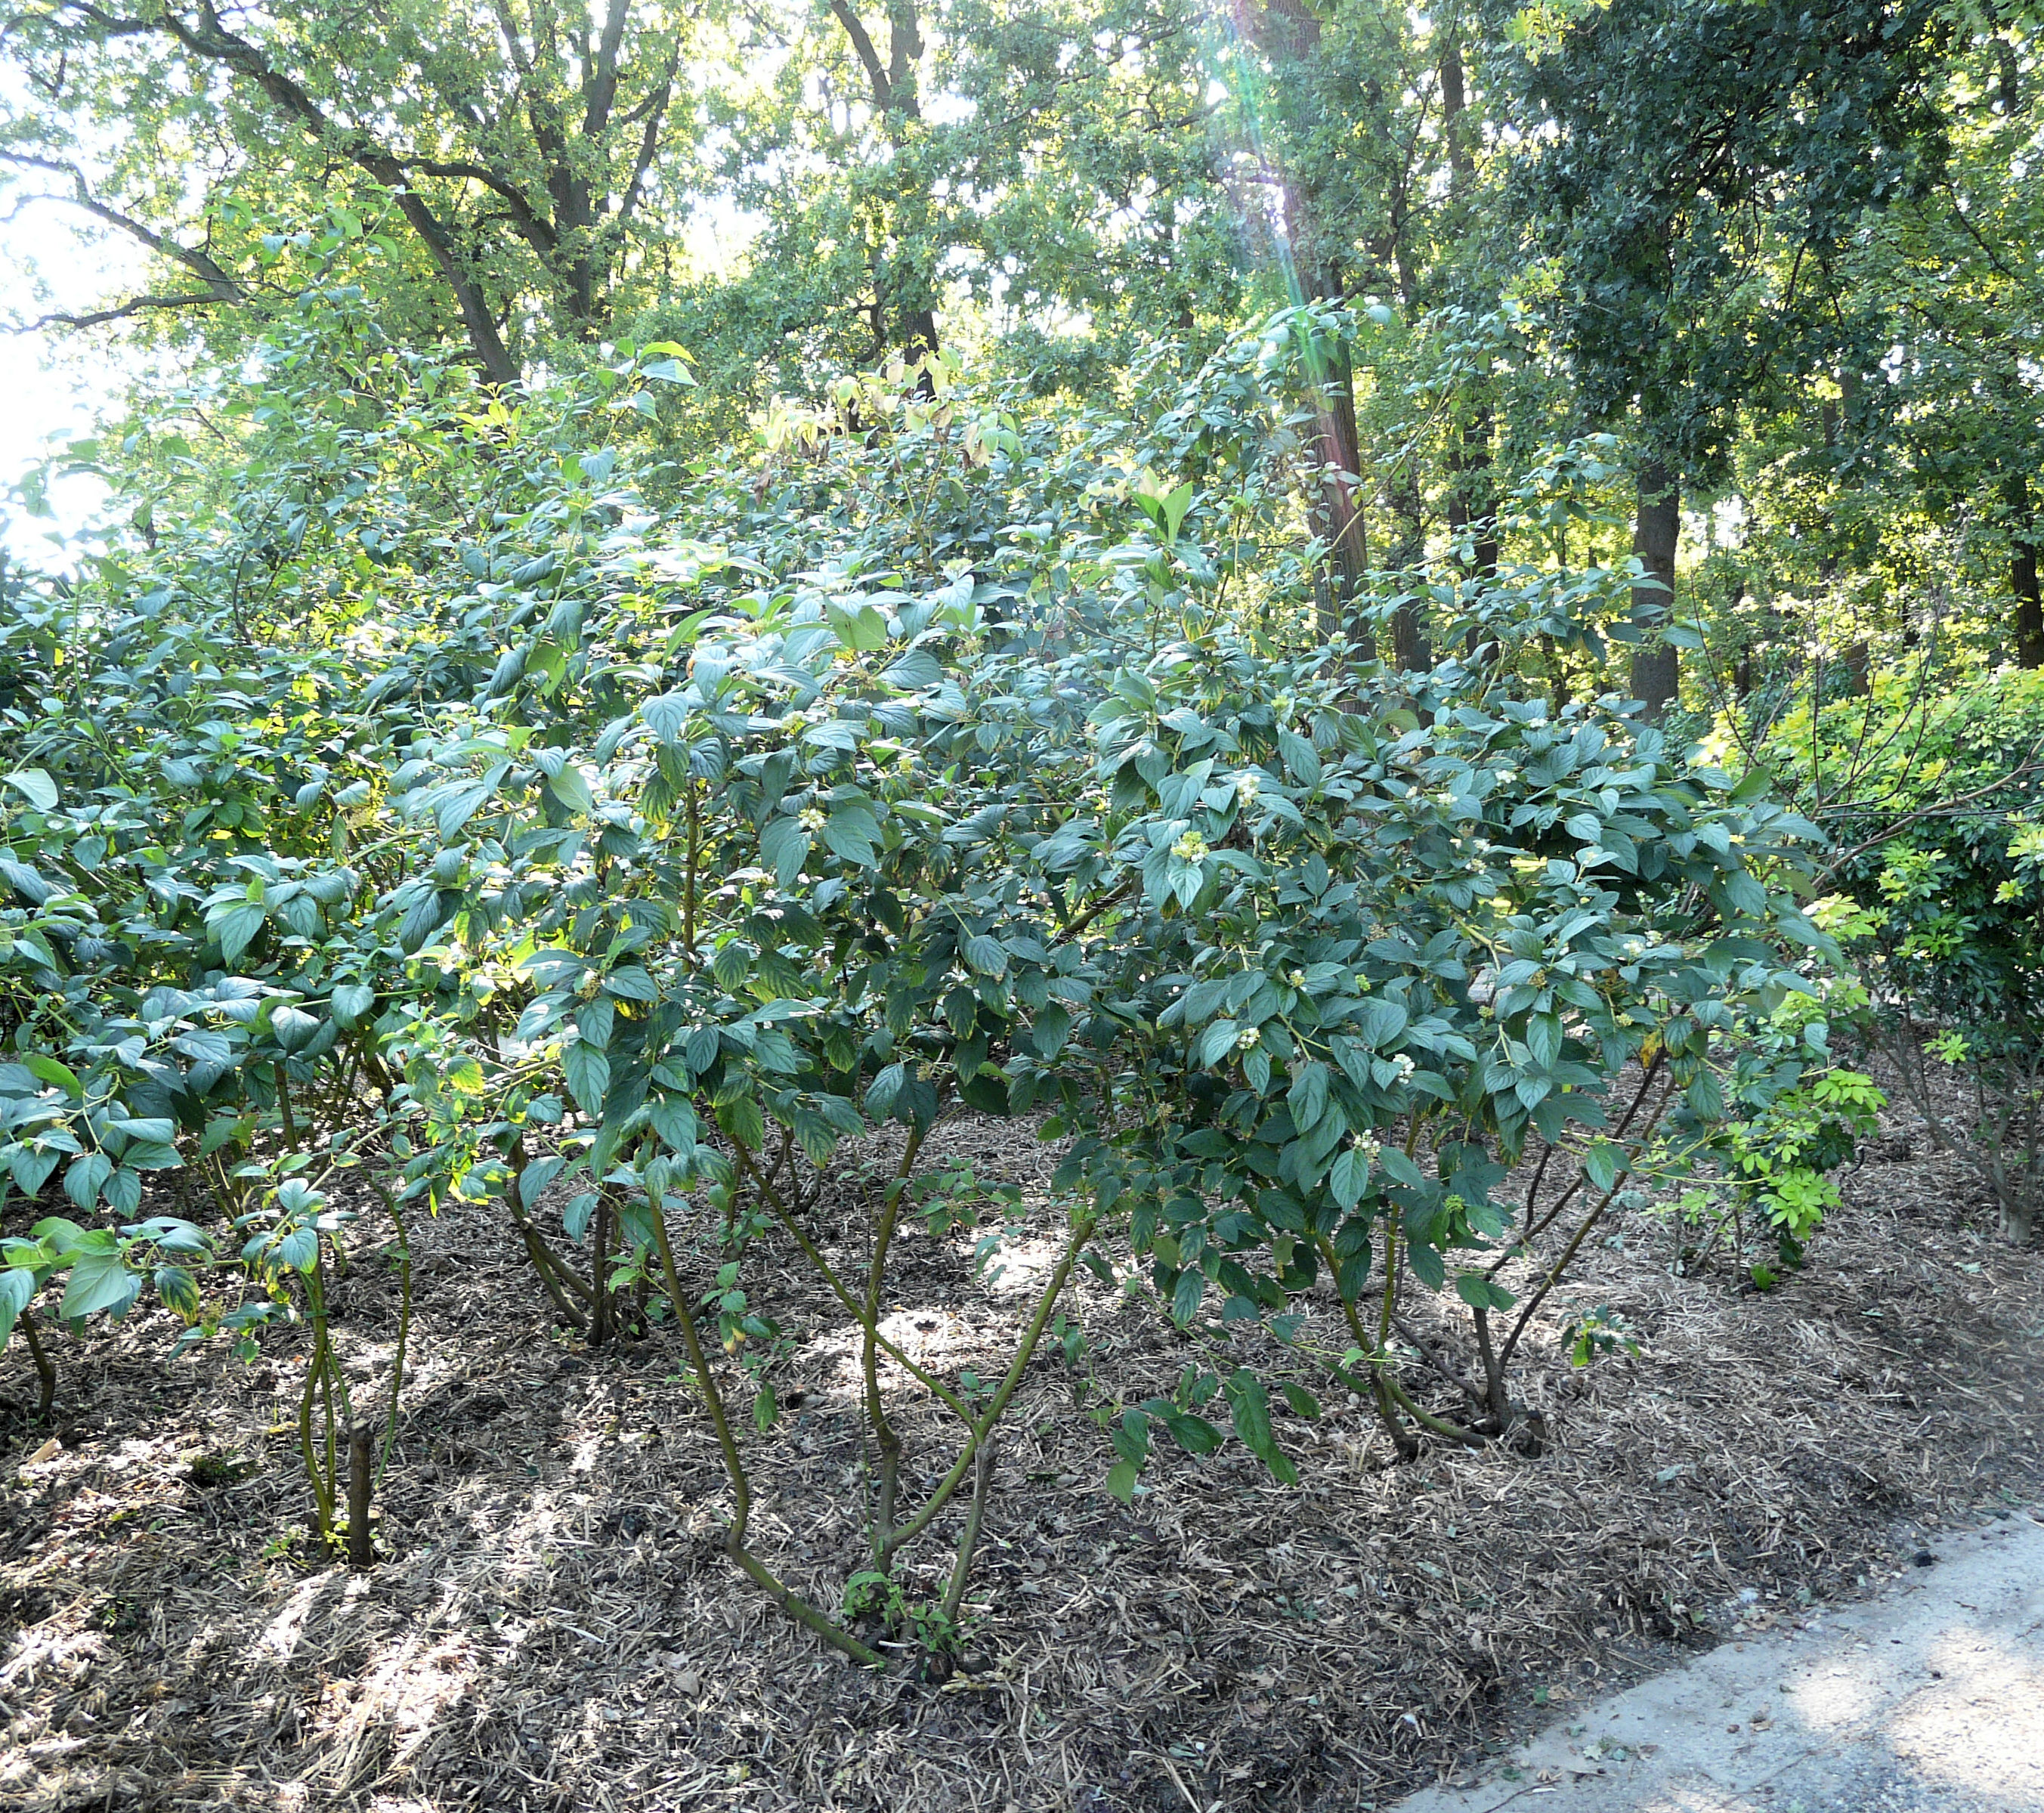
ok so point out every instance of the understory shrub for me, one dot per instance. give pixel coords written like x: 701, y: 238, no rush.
x: 466, y: 805
x: 1932, y: 787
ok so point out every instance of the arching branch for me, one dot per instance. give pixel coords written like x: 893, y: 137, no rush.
x: 219, y: 286
x: 210, y: 39
x: 134, y: 306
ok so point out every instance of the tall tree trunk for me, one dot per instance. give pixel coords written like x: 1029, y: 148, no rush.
x: 1471, y: 508
x: 1657, y: 675
x: 906, y: 302
x: 1341, y: 522
x: 1408, y: 634
x: 2023, y: 571
x: 1454, y: 99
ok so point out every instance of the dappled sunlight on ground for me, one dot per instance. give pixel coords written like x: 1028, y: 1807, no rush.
x: 556, y: 1628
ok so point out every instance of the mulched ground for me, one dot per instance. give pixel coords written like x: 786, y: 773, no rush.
x: 558, y: 1629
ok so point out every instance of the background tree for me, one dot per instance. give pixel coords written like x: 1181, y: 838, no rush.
x: 520, y: 149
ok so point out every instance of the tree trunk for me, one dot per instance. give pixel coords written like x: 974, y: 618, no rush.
x: 2022, y: 572
x: 1657, y: 674
x: 1859, y: 668
x: 1341, y: 518
x: 1471, y: 507
x: 1409, y: 635
x: 905, y: 299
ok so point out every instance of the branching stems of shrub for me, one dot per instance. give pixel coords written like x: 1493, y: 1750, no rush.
x: 396, y: 1214
x: 777, y: 1205
x: 886, y: 1437
x: 968, y: 1545
x: 46, y: 1371
x: 556, y: 1279
x: 889, y: 1538
x: 981, y: 1428
x: 777, y: 1589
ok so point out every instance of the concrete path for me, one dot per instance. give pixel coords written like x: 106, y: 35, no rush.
x: 1928, y: 1699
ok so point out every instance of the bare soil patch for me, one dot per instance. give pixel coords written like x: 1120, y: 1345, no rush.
x: 558, y: 1628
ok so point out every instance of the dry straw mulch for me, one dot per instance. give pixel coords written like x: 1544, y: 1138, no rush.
x: 558, y: 1628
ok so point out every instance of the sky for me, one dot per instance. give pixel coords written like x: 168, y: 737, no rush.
x: 51, y: 383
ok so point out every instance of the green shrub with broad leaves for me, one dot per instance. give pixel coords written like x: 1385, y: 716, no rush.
x: 448, y: 799
x: 1381, y: 956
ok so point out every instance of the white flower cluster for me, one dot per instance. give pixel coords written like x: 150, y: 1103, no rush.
x: 1190, y: 848
x: 812, y: 819
x: 1248, y: 1039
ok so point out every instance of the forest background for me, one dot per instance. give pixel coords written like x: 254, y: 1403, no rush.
x: 1761, y: 279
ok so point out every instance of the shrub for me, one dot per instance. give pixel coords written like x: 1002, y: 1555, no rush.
x: 1933, y: 796
x: 1374, y: 958
x: 458, y: 809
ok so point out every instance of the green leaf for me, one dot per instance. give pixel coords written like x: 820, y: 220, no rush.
x: 236, y: 926
x: 63, y: 1236
x: 784, y: 847
x: 17, y: 1286
x: 426, y: 915
x: 1194, y: 1434
x: 985, y: 956
x: 1250, y: 1405
x: 1382, y: 1021
x: 533, y: 1181
x: 178, y: 1289
x: 30, y: 1167
x: 572, y: 789
x: 743, y: 1120
x: 1217, y: 1042
x: 1191, y: 1286
x: 458, y: 807
x: 50, y: 1070
x: 1302, y: 761
x: 916, y: 672
x: 1302, y: 1401
x: 863, y: 630
x: 576, y: 1217
x: 351, y: 1000
x: 674, y: 1120
x: 630, y: 983
x: 83, y: 1177
x: 100, y: 1283
x: 885, y: 1090
x: 1480, y: 1293
x: 124, y: 1191
x: 1426, y: 1264
x: 1399, y: 1169
x: 292, y: 1028
x: 850, y: 834
x: 1308, y: 1095
x: 666, y: 715
x: 1121, y: 1480
x: 1350, y: 1173
x: 588, y: 1071
x: 35, y: 786
x: 1601, y: 1164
